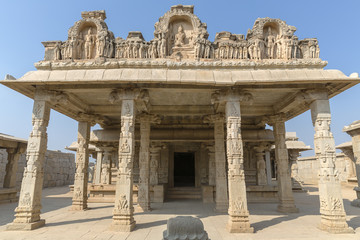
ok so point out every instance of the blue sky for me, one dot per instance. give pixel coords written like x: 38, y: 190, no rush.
x: 25, y: 24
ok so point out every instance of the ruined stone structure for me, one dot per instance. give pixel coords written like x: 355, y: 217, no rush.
x: 58, y: 170
x: 186, y: 112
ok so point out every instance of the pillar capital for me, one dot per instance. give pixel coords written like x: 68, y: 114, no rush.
x: 211, y: 119
x: 118, y: 95
x: 231, y: 95
x: 311, y: 95
x: 277, y: 118
x: 53, y: 97
x: 149, y: 118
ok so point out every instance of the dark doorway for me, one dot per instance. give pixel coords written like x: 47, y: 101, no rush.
x: 184, y: 169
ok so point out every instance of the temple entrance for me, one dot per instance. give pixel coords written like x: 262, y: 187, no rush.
x: 184, y: 169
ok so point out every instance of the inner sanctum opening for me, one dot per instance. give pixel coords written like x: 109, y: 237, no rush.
x: 184, y: 169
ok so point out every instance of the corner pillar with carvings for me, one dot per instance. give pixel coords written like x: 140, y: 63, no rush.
x: 333, y: 216
x: 123, y: 213
x: 238, y: 210
x: 99, y: 158
x: 27, y: 214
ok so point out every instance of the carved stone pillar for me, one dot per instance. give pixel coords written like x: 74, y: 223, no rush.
x: 144, y: 161
x: 212, y: 167
x: 154, y: 164
x: 260, y: 166
x: 79, y: 201
x: 106, y: 166
x: 27, y: 215
x: 333, y: 216
x: 286, y: 199
x: 97, y: 175
x: 354, y: 131
x: 11, y: 167
x: 293, y: 166
x: 221, y: 197
x: 123, y: 213
x: 238, y: 211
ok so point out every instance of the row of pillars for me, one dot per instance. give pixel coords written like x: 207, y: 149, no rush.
x: 333, y: 216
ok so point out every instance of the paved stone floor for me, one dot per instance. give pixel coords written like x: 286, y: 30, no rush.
x: 93, y: 224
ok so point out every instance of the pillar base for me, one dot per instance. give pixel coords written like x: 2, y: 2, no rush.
x: 287, y: 209
x: 355, y: 203
x: 123, y: 227
x: 78, y: 208
x: 239, y: 227
x: 336, y: 230
x: 221, y: 208
x: 25, y: 226
x: 142, y: 209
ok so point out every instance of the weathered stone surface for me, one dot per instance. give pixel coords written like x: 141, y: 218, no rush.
x: 182, y: 227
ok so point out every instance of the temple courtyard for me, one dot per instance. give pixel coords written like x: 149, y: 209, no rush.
x: 61, y: 223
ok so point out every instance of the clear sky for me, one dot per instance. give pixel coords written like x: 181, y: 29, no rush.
x: 25, y: 24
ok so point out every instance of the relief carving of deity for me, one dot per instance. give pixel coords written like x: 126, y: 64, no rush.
x: 180, y: 37
x: 89, y: 44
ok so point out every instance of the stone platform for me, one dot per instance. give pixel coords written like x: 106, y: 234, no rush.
x: 8, y: 195
x: 95, y: 222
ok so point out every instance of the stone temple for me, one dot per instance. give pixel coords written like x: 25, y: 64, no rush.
x: 183, y: 112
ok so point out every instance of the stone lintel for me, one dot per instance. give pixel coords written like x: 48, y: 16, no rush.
x: 353, y: 129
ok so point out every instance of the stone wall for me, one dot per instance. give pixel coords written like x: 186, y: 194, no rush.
x: 59, y: 168
x: 308, y: 168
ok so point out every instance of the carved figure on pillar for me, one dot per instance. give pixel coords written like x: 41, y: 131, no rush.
x: 261, y: 178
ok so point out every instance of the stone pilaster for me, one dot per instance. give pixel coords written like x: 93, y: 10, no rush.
x: 11, y: 167
x: 144, y: 161
x: 79, y: 201
x: 354, y: 131
x: 27, y: 214
x: 221, y: 197
x: 97, y: 175
x: 260, y: 166
x: 333, y: 216
x: 106, y: 166
x: 212, y: 167
x: 123, y: 213
x: 238, y: 211
x: 154, y: 164
x: 286, y: 199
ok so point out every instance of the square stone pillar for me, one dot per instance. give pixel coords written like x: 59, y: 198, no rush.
x: 354, y: 131
x: 80, y: 196
x: 12, y: 166
x: 212, y: 167
x: 106, y: 166
x: 99, y: 157
x: 144, y: 162
x: 154, y: 164
x: 293, y: 166
x: 286, y: 199
x: 238, y: 211
x: 221, y: 197
x: 27, y: 214
x: 261, y: 178
x: 268, y: 167
x: 333, y: 216
x: 123, y: 213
